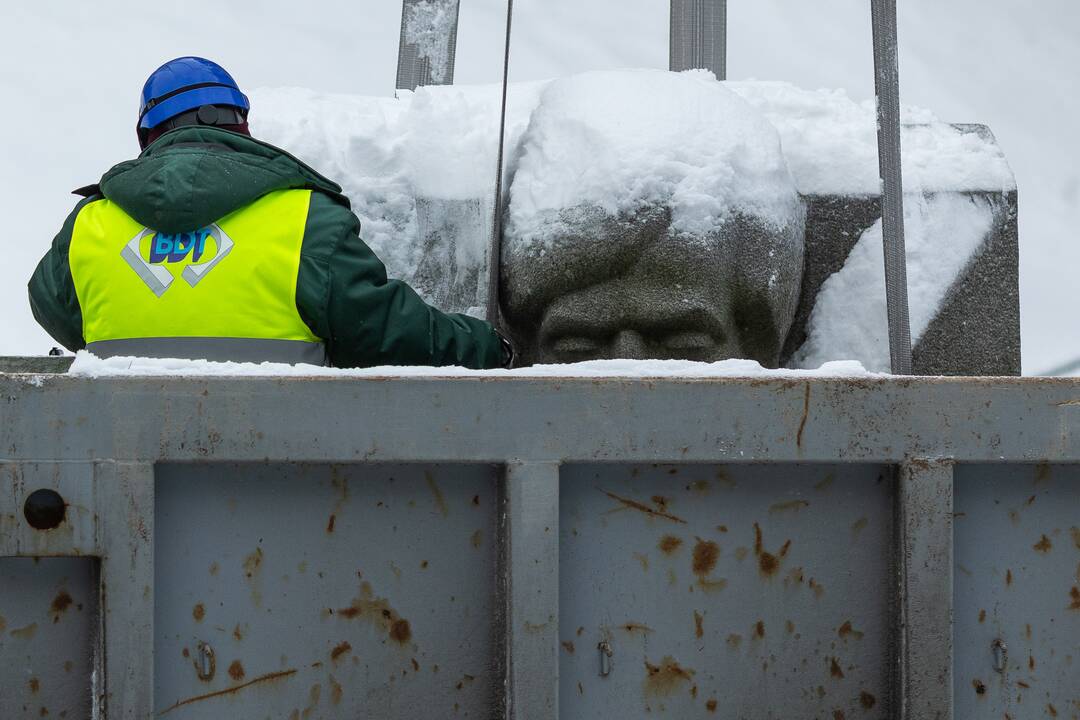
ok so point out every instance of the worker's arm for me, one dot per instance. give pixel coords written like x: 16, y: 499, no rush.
x: 52, y: 291
x: 345, y: 297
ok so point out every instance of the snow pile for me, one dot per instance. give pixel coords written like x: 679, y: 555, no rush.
x: 428, y: 26
x: 438, y: 143
x: 849, y: 320
x: 627, y: 140
x: 616, y: 138
x: 87, y: 365
x: 831, y: 144
x: 356, y: 142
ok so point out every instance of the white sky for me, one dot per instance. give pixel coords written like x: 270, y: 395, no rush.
x: 71, y: 73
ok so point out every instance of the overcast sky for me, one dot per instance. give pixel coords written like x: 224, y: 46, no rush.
x: 72, y: 71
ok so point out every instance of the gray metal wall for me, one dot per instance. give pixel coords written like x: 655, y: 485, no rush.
x: 530, y: 548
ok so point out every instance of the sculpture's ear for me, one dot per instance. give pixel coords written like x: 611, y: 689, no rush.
x: 755, y: 326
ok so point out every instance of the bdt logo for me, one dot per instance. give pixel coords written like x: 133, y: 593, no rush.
x: 191, y: 249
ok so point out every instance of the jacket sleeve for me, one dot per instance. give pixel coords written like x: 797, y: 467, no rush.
x: 52, y: 291
x: 365, y: 319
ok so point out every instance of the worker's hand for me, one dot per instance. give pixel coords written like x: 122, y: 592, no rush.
x: 508, y: 351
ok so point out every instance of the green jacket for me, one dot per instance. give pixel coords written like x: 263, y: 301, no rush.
x: 193, y: 176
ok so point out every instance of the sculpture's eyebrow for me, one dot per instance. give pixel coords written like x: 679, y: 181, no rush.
x: 564, y: 320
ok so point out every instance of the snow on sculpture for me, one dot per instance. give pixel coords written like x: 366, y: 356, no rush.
x: 635, y: 193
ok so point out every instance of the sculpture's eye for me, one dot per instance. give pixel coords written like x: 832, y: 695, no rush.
x: 689, y: 342
x: 575, y: 345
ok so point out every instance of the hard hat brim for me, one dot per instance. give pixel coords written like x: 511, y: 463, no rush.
x: 190, y: 100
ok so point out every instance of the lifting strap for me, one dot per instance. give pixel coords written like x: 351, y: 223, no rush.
x: 495, y: 249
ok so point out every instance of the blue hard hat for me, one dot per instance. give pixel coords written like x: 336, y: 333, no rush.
x: 185, y: 84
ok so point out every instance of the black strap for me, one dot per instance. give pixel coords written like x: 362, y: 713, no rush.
x: 158, y: 100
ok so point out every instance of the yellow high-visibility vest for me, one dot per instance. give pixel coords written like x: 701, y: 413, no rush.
x: 225, y: 291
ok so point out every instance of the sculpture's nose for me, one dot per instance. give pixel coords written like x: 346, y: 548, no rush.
x: 629, y: 345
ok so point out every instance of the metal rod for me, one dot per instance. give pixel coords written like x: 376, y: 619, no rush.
x: 495, y: 250
x: 887, y: 86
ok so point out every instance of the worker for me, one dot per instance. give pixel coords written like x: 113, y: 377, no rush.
x: 214, y: 245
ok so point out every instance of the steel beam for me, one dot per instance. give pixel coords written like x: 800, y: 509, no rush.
x: 926, y: 590
x: 428, y: 44
x: 532, y: 571
x: 699, y: 36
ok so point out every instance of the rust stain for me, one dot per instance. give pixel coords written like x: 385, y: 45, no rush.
x: 721, y: 528
x: 734, y: 640
x: 185, y: 652
x: 1051, y: 709
x: 669, y: 544
x: 1042, y: 472
x: 768, y: 563
x: 214, y: 568
x: 440, y: 501
x: 35, y: 685
x: 627, y: 503
x: 867, y: 700
x: 710, y: 705
x: 568, y: 645
x: 846, y: 630
x: 1075, y: 532
x: 335, y: 691
x: 1044, y: 545
x: 859, y: 525
x: 789, y: 506
x: 706, y: 553
x: 789, y: 626
x: 805, y: 415
x: 68, y: 664
x: 3, y: 623
x: 330, y: 523
x: 1021, y: 683
x: 60, y: 603
x: 759, y: 629
x: 580, y: 631
x: 1008, y: 577
x: 198, y: 612
x: 339, y: 650
x: 477, y: 539
x: 666, y: 678
x: 378, y: 611
x: 824, y: 483
x: 1074, y: 597
x: 252, y: 564
x: 237, y: 633
x: 699, y: 625
x: 465, y: 680
x: 835, y: 670
x: 580, y: 689
x: 643, y: 559
x: 817, y: 587
x: 741, y: 553
x: 236, y: 670
x: 227, y: 691
x: 660, y: 502
x: 25, y: 633
x: 838, y: 715
x: 415, y: 665
x: 982, y: 616
x: 632, y: 627
x: 401, y: 631
x: 1031, y: 662
x: 980, y: 688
